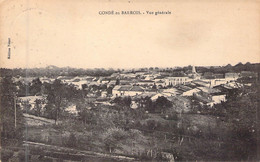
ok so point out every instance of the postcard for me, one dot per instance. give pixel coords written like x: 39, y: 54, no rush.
x: 129, y: 80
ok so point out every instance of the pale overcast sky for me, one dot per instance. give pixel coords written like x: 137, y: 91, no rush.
x: 72, y: 33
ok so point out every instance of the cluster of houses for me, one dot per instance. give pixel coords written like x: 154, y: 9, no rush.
x: 208, y: 89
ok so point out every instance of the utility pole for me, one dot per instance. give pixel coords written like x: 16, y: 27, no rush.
x: 15, y: 111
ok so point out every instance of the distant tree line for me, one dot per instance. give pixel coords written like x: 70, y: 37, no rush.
x: 52, y: 71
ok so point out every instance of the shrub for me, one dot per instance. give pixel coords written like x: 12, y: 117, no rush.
x: 72, y: 140
x: 112, y: 138
x: 6, y: 154
x: 21, y: 155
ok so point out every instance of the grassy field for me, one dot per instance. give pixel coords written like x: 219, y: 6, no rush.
x: 156, y: 134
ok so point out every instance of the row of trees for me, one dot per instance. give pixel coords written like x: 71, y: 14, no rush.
x: 161, y: 104
x: 53, y: 71
x: 220, y: 69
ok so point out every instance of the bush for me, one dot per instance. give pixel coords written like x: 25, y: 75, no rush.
x: 72, y: 140
x: 21, y: 155
x: 6, y: 154
x: 112, y: 138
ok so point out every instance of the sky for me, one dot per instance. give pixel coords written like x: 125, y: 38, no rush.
x: 73, y: 33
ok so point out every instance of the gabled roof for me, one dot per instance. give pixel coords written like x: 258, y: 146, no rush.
x: 128, y: 88
x: 146, y: 81
x: 209, y: 90
x: 146, y: 94
x: 136, y: 88
x: 183, y: 88
x: 125, y: 88
x: 160, y: 81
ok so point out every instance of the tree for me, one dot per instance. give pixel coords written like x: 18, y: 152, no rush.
x: 84, y: 112
x: 117, y: 82
x: 109, y: 90
x: 56, y: 99
x: 26, y: 106
x: 38, y: 107
x: 162, y: 103
x: 35, y: 88
x: 241, y: 116
x: 84, y: 86
x: 7, y: 110
x: 127, y: 101
x: 113, y: 137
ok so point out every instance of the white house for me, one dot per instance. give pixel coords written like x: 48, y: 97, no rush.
x: 175, y: 80
x: 127, y: 90
x: 190, y: 92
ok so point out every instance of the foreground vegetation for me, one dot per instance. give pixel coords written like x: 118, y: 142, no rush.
x: 226, y: 132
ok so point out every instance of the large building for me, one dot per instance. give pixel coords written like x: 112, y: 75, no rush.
x: 172, y: 81
x: 231, y: 76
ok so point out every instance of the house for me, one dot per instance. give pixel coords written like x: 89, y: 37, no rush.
x: 164, y: 94
x: 149, y: 77
x: 78, y: 83
x: 216, y: 82
x: 112, y: 83
x: 210, y: 96
x: 72, y: 109
x: 145, y: 82
x: 126, y: 82
x: 30, y: 100
x: 145, y: 94
x: 126, y: 90
x: 104, y: 94
x: 115, y: 90
x: 201, y: 83
x: 160, y: 83
x: 190, y: 92
x: 105, y: 80
x: 208, y: 75
x: 219, y: 76
x: 89, y: 79
x: 175, y: 81
x: 173, y: 91
x: 158, y: 78
x: 248, y: 74
x: 231, y: 76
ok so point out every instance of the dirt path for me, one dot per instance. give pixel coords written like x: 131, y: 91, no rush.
x: 33, y: 120
x: 75, y: 152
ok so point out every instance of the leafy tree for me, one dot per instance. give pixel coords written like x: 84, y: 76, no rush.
x: 242, y: 122
x: 109, y: 90
x: 127, y: 101
x: 113, y: 137
x: 26, y: 106
x: 35, y: 88
x: 56, y: 99
x: 117, y: 82
x: 162, y: 103
x: 84, y: 86
x: 38, y: 106
x: 7, y: 110
x: 85, y: 113
x: 21, y: 88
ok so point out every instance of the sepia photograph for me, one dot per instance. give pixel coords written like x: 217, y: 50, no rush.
x: 129, y: 80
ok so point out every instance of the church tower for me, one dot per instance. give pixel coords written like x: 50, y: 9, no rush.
x: 195, y: 75
x: 193, y: 70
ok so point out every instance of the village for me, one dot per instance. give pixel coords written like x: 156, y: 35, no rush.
x: 131, y: 114
x: 207, y: 89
